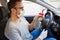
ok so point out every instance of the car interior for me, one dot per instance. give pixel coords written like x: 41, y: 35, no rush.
x: 54, y: 22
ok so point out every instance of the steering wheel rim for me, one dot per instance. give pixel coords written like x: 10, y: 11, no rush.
x: 50, y: 13
x: 47, y: 20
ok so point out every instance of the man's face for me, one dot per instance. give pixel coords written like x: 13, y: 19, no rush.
x: 18, y: 8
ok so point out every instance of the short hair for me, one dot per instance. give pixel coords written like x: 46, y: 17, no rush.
x: 12, y: 3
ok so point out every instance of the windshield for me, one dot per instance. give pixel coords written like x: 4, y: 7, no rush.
x: 54, y: 3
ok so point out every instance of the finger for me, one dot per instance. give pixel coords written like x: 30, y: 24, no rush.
x: 46, y: 31
x: 35, y: 17
x: 43, y: 29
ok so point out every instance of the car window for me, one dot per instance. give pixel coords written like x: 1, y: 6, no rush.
x: 32, y: 9
x: 0, y: 4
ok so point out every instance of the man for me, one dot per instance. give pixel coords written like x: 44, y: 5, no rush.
x: 17, y: 28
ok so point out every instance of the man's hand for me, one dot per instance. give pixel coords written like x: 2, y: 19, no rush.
x: 38, y: 39
x: 36, y: 18
x: 31, y: 25
x: 43, y: 34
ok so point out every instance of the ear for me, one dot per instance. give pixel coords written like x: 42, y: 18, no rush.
x: 13, y: 10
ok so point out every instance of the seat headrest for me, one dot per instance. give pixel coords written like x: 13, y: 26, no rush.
x: 3, y: 12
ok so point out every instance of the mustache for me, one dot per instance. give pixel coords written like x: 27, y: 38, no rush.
x: 18, y: 13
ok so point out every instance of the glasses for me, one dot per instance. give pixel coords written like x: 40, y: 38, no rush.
x: 18, y: 8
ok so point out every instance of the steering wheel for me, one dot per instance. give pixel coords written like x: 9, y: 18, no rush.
x: 49, y: 21
x: 46, y: 22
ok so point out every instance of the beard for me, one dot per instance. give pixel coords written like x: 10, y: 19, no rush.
x: 21, y: 14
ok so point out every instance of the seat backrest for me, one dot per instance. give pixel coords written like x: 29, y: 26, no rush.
x: 3, y: 20
x: 3, y: 12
